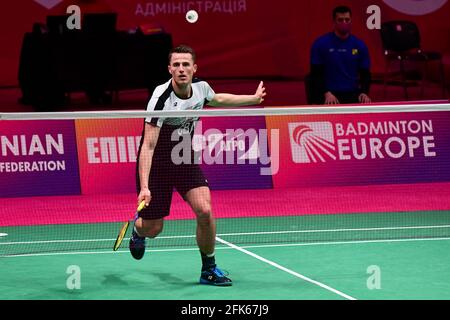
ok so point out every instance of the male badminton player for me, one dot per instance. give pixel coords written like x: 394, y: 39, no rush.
x: 157, y: 174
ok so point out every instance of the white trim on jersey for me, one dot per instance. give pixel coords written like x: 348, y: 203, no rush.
x: 164, y: 98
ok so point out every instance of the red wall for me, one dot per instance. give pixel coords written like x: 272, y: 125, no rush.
x: 259, y: 38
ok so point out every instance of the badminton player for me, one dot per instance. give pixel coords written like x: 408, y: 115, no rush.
x: 157, y: 175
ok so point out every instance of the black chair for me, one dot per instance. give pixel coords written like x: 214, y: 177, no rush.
x: 312, y: 95
x: 100, y: 55
x: 56, y: 25
x: 99, y: 23
x: 402, y: 48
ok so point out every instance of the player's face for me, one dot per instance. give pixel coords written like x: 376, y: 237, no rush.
x: 182, y: 68
x: 343, y: 23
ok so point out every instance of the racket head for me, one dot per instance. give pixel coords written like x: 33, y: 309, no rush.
x: 123, y: 230
x: 121, y: 235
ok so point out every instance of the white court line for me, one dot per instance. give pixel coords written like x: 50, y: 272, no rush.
x: 236, y: 234
x: 225, y: 248
x: 85, y: 240
x: 91, y: 252
x: 276, y: 265
x: 345, y: 242
x: 334, y: 230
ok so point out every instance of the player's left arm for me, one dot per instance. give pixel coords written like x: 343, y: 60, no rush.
x: 236, y: 100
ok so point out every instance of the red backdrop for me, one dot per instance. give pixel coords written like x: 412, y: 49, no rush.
x: 233, y: 38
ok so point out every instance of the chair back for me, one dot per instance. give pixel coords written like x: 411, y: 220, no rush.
x: 400, y: 35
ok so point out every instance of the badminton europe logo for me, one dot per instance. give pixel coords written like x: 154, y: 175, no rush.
x: 318, y: 142
x: 312, y: 141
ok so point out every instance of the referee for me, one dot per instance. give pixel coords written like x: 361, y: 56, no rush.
x: 340, y: 64
x: 157, y: 175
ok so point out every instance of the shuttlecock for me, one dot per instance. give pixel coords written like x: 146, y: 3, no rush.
x: 192, y: 16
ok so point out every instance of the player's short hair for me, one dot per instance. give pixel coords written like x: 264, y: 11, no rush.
x: 341, y: 9
x: 183, y: 49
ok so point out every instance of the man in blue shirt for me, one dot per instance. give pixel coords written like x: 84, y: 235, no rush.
x: 340, y: 64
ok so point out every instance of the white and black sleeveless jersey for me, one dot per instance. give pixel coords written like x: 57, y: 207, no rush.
x: 165, y: 98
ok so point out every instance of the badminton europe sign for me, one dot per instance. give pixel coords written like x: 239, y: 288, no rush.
x: 363, y: 149
x: 323, y: 141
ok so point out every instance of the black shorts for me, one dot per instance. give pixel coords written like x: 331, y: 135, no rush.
x: 163, y: 180
x: 165, y: 176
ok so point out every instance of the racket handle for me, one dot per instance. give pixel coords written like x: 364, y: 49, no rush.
x: 141, y: 206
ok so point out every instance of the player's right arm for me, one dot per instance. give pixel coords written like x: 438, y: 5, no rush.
x: 151, y: 134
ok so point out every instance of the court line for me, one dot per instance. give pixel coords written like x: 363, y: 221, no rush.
x: 237, y: 234
x: 335, y: 230
x: 85, y: 240
x: 91, y: 252
x: 278, y: 266
x: 346, y: 242
x: 224, y: 248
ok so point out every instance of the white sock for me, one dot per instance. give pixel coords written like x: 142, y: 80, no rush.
x: 135, y: 230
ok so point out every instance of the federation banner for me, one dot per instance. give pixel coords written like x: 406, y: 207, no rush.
x: 38, y: 158
x: 99, y: 156
x: 107, y: 153
x: 230, y: 151
x: 234, y: 152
